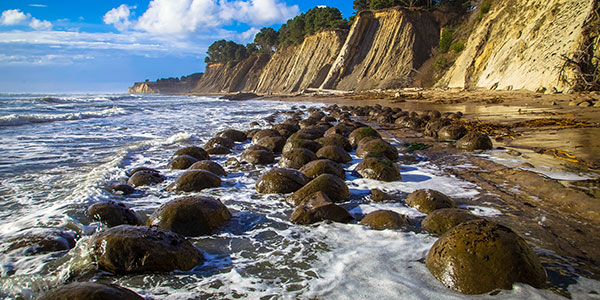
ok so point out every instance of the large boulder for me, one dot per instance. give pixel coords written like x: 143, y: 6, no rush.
x: 90, y: 291
x: 377, y: 147
x: 360, y: 133
x: 191, y: 215
x: 378, y: 168
x: 234, y: 135
x: 195, y: 152
x: 195, y: 181
x: 336, y: 140
x: 317, y: 208
x: 112, y: 214
x: 474, y: 141
x: 298, y: 143
x: 130, y: 172
x: 181, y: 162
x: 312, y: 132
x: 281, y: 181
x: 381, y: 196
x: 219, y: 141
x: 332, y: 186
x: 286, y: 130
x: 426, y: 200
x: 441, y: 220
x: 218, y: 150
x: 323, y: 166
x: 296, y: 158
x: 142, y: 178
x: 264, y: 133
x: 273, y: 143
x: 334, y: 153
x: 121, y: 188
x: 385, y: 219
x: 341, y: 129
x: 138, y: 249
x: 451, y: 132
x: 481, y: 256
x: 258, y: 157
x: 210, y: 166
x: 37, y: 240
x: 432, y: 127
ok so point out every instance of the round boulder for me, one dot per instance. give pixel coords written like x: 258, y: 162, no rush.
x: 432, y: 128
x: 234, y: 135
x: 319, y: 208
x: 360, y: 133
x: 137, y: 249
x: 219, y: 141
x: 264, y: 133
x: 286, y: 130
x: 378, y: 168
x: 258, y: 157
x: 323, y: 166
x: 336, y: 140
x: 209, y: 165
x: 385, y: 219
x: 273, y: 143
x: 195, y: 181
x: 340, y: 129
x: 332, y: 186
x: 195, y: 152
x: 441, y: 220
x: 218, y: 150
x: 474, y: 141
x: 281, y: 181
x: 191, y: 215
x: 451, y: 132
x: 112, y: 214
x: 130, y: 172
x: 181, y: 162
x: 90, y: 291
x: 377, y: 147
x: 427, y: 200
x: 334, y: 153
x: 297, y: 143
x: 39, y: 240
x: 121, y: 188
x: 480, y: 256
x: 141, y: 178
x: 296, y: 158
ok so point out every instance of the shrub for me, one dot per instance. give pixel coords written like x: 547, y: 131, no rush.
x: 446, y: 39
x: 485, y: 7
x: 458, y: 47
x: 441, y: 63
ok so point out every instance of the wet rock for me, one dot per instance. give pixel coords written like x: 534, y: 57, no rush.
x: 286, y: 130
x: 191, y: 215
x: 272, y: 143
x: 332, y: 186
x: 427, y: 200
x: 377, y: 147
x: 378, y: 168
x: 141, y: 178
x: 209, y: 165
x: 432, y: 128
x: 323, y: 166
x: 250, y: 133
x: 336, y: 140
x: 313, y: 132
x: 334, y: 153
x: 385, y: 219
x: 258, y: 157
x: 122, y: 188
x: 219, y: 141
x: 296, y: 158
x: 317, y: 208
x: 341, y: 129
x: 360, y: 133
x: 39, y: 240
x: 480, y: 256
x: 264, y: 133
x: 380, y: 196
x: 90, y: 291
x: 137, y: 249
x: 218, y: 150
x: 195, y: 152
x: 452, y: 132
x: 474, y: 141
x: 281, y: 181
x: 257, y: 147
x: 130, y: 173
x: 234, y: 135
x: 195, y: 181
x: 112, y: 214
x: 232, y: 162
x: 441, y: 220
x: 181, y: 162
x: 414, y: 123
x: 298, y: 143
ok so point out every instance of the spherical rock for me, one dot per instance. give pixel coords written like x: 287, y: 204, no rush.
x: 286, y: 130
x: 195, y: 152
x: 380, y: 196
x: 90, y: 291
x: 336, y: 140
x: 441, y: 220
x: 427, y: 200
x: 385, y: 219
x: 219, y: 141
x: 296, y: 158
x: 218, y: 150
x: 209, y: 165
x: 480, y: 256
x: 474, y: 141
x: 121, y: 188
x: 297, y: 143
x: 39, y: 240
x: 137, y: 249
x: 281, y: 181
x: 341, y: 129
x: 112, y: 214
x: 234, y: 135
x: 378, y: 168
x: 264, y: 133
x: 141, y: 178
x: 323, y: 166
x: 317, y: 208
x: 360, y: 133
x: 258, y: 157
x: 312, y: 132
x: 181, y: 162
x: 195, y: 181
x: 332, y: 186
x: 377, y: 147
x: 334, y: 153
x: 191, y: 215
x: 410, y: 122
x: 130, y: 173
x: 451, y: 132
x: 432, y: 128
x: 273, y: 143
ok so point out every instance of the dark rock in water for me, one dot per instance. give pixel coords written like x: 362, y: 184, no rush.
x: 112, y: 214
x: 432, y: 128
x: 332, y: 186
x: 360, y: 133
x: 441, y: 220
x: 298, y: 143
x: 474, y: 141
x: 195, y: 152
x: 380, y: 196
x: 191, y: 215
x: 240, y: 96
x: 232, y: 162
x: 181, y: 162
x: 317, y: 208
x: 481, y: 256
x: 257, y: 147
x: 195, y: 181
x: 209, y: 165
x: 323, y: 166
x: 218, y: 150
x: 312, y: 132
x: 377, y: 147
x: 385, y: 219
x: 452, y: 132
x: 130, y: 173
x: 234, y: 135
x: 341, y: 129
x: 219, y: 141
x: 334, y: 153
x: 124, y: 189
x: 281, y: 181
x: 336, y: 140
x: 427, y: 200
x: 273, y: 143
x: 378, y: 168
x: 137, y: 249
x: 250, y: 133
x: 264, y: 133
x: 90, y: 291
x: 141, y: 178
x: 296, y: 158
x: 410, y: 122
x: 258, y: 157
x: 286, y: 130
x: 40, y: 240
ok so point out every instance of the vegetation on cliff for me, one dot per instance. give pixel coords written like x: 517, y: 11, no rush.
x: 316, y: 19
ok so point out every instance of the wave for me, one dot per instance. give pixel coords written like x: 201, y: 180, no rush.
x: 17, y: 120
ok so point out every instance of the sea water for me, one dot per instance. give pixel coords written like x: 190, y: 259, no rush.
x: 61, y: 152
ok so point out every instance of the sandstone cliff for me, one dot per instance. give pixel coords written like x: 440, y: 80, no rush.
x: 243, y: 76
x: 523, y: 44
x: 167, y: 86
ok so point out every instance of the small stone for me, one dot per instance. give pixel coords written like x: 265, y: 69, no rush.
x: 380, y: 196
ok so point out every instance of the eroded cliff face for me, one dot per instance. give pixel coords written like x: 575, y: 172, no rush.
x: 522, y: 44
x: 167, y: 86
x: 243, y: 76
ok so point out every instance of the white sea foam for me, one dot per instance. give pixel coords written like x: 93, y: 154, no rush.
x: 16, y: 120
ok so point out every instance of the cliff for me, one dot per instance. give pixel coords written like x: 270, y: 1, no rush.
x: 524, y: 44
x: 184, y: 84
x: 243, y: 76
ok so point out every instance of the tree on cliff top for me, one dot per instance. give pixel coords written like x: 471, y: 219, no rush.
x: 266, y: 39
x: 360, y: 5
x: 227, y: 51
x: 318, y: 18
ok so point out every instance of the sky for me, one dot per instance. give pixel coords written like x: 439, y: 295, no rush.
x: 104, y: 46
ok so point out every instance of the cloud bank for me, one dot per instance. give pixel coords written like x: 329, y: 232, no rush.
x: 15, y: 17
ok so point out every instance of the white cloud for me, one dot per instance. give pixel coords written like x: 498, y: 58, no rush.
x: 13, y: 17
x: 38, y: 5
x: 119, y: 17
x: 40, y: 25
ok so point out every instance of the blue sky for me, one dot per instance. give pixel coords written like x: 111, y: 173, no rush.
x: 104, y: 46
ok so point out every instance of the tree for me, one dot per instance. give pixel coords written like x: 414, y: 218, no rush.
x: 317, y: 18
x: 360, y: 5
x: 266, y: 39
x: 225, y: 51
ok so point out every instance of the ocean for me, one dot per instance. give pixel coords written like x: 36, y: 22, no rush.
x: 61, y: 152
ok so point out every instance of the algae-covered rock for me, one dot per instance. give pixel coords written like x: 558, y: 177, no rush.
x: 474, y: 141
x: 378, y: 168
x: 426, y: 200
x: 112, y: 214
x: 432, y: 128
x: 195, y: 181
x: 331, y: 185
x: 210, y: 166
x: 336, y: 140
x: 141, y: 178
x: 480, y: 256
x: 38, y: 240
x: 273, y: 143
x: 234, y: 135
x: 264, y: 133
x: 377, y: 147
x: 441, y: 220
x: 334, y: 153
x: 385, y: 219
x: 181, y: 162
x: 195, y: 152
x: 218, y: 150
x: 380, y: 196
x: 296, y: 158
x: 323, y: 166
x: 191, y: 215
x: 360, y: 133
x: 90, y: 291
x: 258, y: 157
x: 341, y: 129
x: 451, y: 132
x: 317, y: 208
x: 286, y: 130
x: 219, y: 141
x: 281, y: 181
x: 299, y: 143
